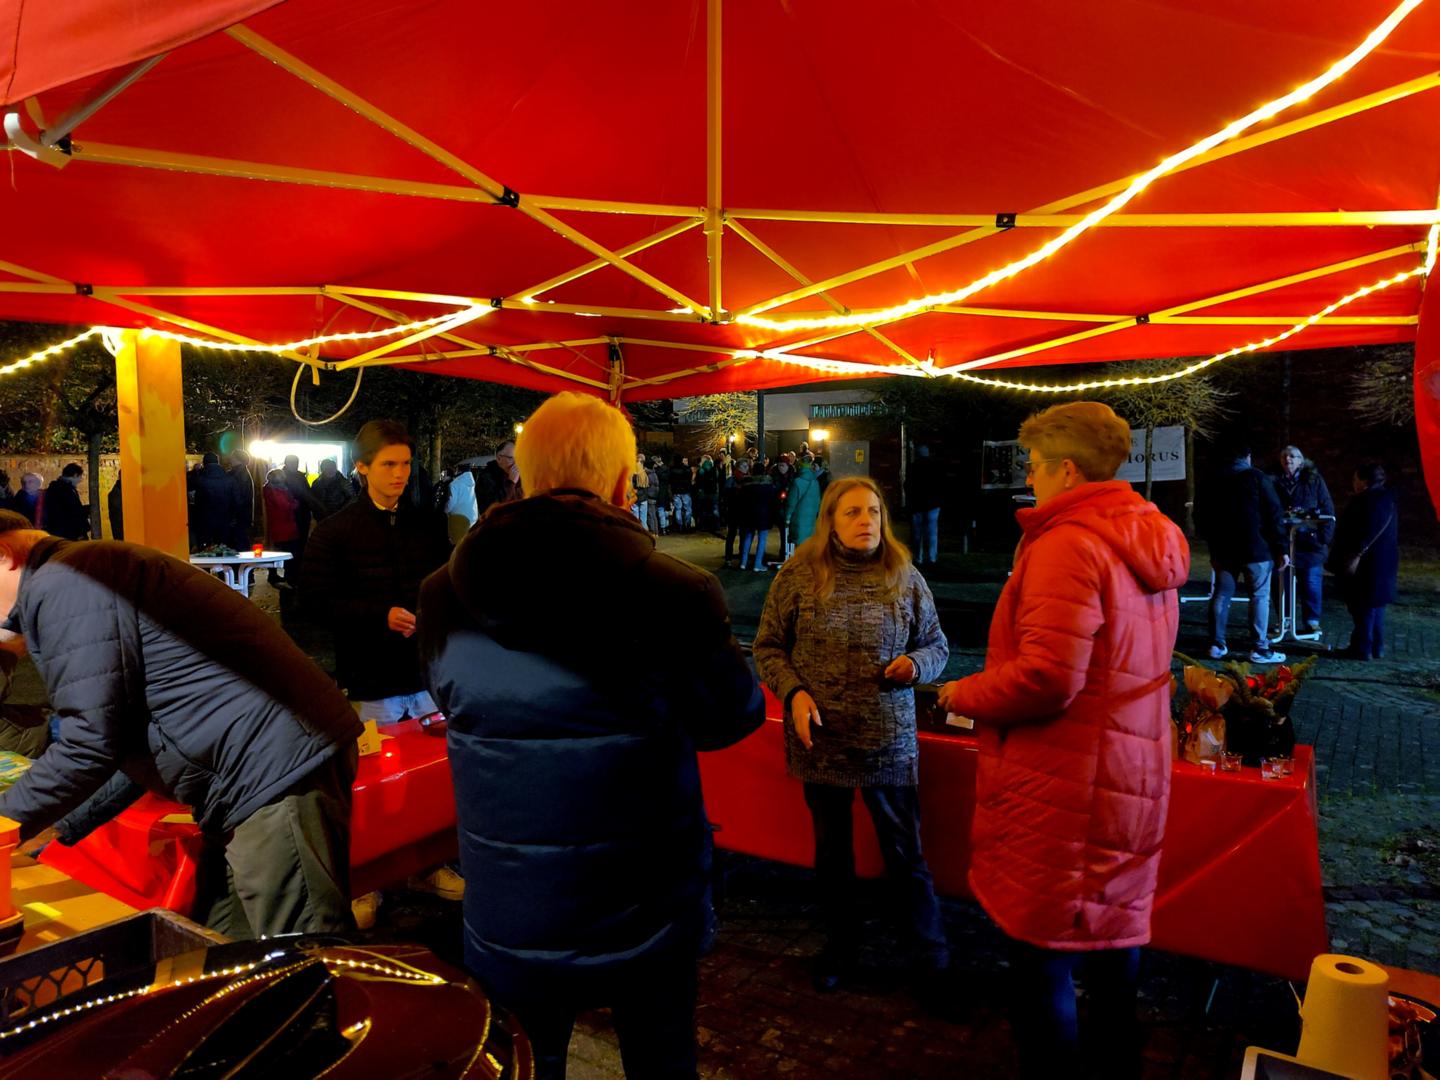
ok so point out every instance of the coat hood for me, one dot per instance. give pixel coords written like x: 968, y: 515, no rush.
x: 1143, y: 538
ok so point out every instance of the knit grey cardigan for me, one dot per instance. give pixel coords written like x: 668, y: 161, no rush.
x: 837, y: 650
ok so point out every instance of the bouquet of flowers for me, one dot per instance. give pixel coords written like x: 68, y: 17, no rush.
x: 1238, y: 710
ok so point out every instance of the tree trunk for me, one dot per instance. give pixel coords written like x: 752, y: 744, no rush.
x: 49, y: 404
x: 436, y: 446
x: 1149, y: 460
x: 92, y: 470
x: 1189, y: 482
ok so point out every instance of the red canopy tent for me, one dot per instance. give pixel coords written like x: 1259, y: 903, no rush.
x: 641, y: 199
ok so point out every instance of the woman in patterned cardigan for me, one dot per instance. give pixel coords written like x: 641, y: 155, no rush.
x: 849, y: 627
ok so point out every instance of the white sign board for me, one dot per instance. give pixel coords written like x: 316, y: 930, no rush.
x: 1002, y: 464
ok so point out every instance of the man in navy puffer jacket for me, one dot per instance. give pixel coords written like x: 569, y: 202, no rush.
x: 583, y: 836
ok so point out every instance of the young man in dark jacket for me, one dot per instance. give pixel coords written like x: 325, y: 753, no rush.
x: 363, y: 575
x: 583, y: 834
x: 159, y: 671
x: 1238, y: 514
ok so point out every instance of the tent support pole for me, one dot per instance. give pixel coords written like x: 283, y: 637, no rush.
x: 1209, y: 301
x: 714, y: 215
x: 784, y: 264
x: 599, y: 264
x: 150, y: 402
x: 500, y: 192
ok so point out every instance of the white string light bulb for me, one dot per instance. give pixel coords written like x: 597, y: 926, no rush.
x: 1090, y: 220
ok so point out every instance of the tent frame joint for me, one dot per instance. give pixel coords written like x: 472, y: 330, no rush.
x: 1005, y: 221
x: 508, y: 197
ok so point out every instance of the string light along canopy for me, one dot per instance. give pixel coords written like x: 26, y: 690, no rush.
x: 663, y: 198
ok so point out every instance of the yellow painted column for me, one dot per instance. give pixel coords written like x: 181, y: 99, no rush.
x: 152, y: 442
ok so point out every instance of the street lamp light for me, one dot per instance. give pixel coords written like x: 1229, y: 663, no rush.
x: 519, y: 428
x: 818, y: 435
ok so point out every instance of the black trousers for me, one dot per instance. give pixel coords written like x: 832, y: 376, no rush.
x: 653, y: 1012
x: 895, y: 812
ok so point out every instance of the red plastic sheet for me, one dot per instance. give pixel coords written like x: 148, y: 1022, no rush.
x: 402, y: 821
x: 1239, y: 878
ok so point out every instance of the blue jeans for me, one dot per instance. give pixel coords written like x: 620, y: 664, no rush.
x: 1257, y: 576
x: 759, y: 563
x: 1043, y: 1021
x: 1368, y: 637
x: 925, y: 535
x: 895, y: 812
x: 1308, y: 583
x: 683, y: 511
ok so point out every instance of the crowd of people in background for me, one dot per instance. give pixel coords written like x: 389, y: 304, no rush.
x: 742, y: 496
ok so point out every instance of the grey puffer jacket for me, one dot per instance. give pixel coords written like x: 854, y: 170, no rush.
x: 157, y: 669
x: 837, y: 650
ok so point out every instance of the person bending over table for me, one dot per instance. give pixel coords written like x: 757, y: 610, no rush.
x: 1073, y: 711
x: 848, y: 628
x: 157, y: 670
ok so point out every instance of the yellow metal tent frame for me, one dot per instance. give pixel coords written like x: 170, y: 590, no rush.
x: 715, y: 219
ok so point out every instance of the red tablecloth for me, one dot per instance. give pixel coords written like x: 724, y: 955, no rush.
x: 402, y: 821
x: 1239, y: 878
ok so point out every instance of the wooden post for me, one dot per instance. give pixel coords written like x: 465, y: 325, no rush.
x: 152, y: 442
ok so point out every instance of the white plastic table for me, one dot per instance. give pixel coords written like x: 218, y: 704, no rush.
x: 235, y: 569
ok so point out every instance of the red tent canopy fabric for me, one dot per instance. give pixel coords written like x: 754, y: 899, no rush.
x: 339, y: 165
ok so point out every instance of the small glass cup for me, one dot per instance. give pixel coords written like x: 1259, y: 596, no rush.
x: 1230, y: 762
x: 258, y: 550
x: 1207, y: 765
x: 1275, y: 768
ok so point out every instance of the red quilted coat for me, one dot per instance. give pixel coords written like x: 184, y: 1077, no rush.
x: 1073, y: 704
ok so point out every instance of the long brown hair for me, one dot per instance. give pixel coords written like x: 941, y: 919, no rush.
x: 820, y: 555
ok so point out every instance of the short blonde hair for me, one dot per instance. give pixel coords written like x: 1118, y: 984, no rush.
x: 574, y: 440
x: 1087, y: 432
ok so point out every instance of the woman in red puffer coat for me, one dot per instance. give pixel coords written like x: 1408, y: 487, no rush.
x: 1073, y: 710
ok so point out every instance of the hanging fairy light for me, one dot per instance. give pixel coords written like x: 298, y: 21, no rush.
x: 111, y: 334
x: 928, y: 369
x: 1090, y: 220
